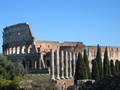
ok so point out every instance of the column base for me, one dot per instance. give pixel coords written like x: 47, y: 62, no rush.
x: 53, y: 77
x: 62, y: 77
x: 58, y: 78
x: 66, y: 77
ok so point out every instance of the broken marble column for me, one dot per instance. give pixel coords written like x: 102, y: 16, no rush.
x: 70, y: 63
x: 74, y: 63
x: 40, y: 67
x: 66, y: 65
x: 42, y: 60
x: 58, y: 65
x: 52, y: 66
x: 62, y: 64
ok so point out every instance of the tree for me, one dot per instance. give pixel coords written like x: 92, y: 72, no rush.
x: 95, y: 71
x: 10, y: 70
x: 106, y: 64
x: 112, y: 67
x: 110, y: 73
x: 85, y: 58
x: 99, y: 62
x: 116, y: 67
x: 80, y: 72
x: 10, y: 74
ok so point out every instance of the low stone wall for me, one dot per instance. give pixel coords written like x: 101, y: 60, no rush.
x: 64, y: 83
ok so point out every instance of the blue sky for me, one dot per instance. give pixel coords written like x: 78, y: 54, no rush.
x: 90, y: 21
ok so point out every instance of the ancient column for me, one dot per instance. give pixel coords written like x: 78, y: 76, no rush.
x: 40, y: 62
x: 20, y: 49
x: 26, y: 50
x: 16, y: 50
x: 62, y: 64
x: 66, y: 64
x: 74, y: 63
x: 76, y: 55
x: 12, y: 50
x: 6, y: 51
x: 70, y: 63
x: 52, y: 66
x: 35, y: 64
x: 9, y: 50
x: 58, y: 65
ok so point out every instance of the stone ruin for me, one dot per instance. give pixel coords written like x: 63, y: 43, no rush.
x: 58, y: 59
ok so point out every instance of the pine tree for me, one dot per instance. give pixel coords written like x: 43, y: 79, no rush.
x: 106, y: 64
x: 116, y: 67
x: 99, y: 62
x: 85, y: 58
x: 112, y: 67
x: 80, y: 72
x: 95, y: 71
x: 110, y: 73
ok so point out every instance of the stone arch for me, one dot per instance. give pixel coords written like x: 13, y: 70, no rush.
x: 23, y: 49
x: 14, y: 50
x: 18, y: 50
x: 29, y: 49
x: 10, y: 50
x: 7, y: 51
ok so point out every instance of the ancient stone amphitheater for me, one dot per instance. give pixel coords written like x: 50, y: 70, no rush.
x: 57, y: 59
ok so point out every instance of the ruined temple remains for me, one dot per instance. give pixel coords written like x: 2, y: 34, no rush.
x: 52, y: 57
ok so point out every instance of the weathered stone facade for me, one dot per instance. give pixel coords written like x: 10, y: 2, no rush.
x: 58, y: 58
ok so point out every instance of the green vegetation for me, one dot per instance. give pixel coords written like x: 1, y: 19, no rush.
x: 85, y: 58
x: 95, y: 71
x: 112, y: 68
x: 99, y: 62
x: 117, y: 66
x: 81, y: 72
x: 106, y: 64
x: 100, y: 69
x: 10, y: 74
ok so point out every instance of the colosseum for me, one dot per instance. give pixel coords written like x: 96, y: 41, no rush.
x: 52, y: 57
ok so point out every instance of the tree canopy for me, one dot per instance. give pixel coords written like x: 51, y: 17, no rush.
x: 9, y: 71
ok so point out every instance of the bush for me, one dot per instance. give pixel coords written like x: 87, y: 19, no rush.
x: 10, y: 74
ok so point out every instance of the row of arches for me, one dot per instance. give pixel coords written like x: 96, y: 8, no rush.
x: 18, y: 50
x: 111, y: 53
x: 114, y: 56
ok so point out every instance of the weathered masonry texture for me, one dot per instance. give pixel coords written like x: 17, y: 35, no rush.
x: 52, y: 57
